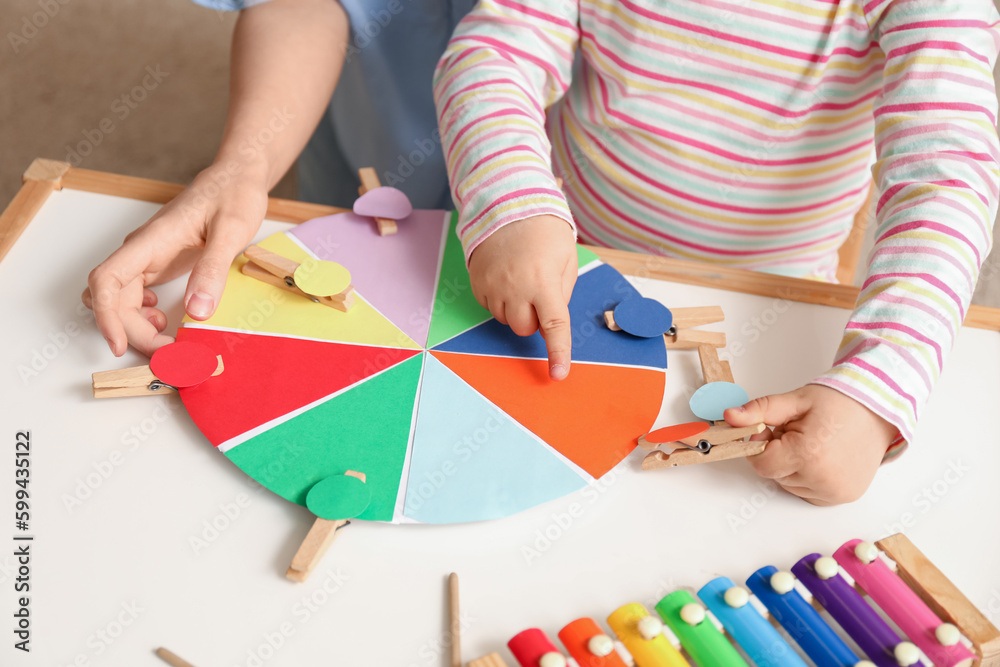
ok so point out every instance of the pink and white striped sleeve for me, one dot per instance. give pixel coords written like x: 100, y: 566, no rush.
x: 937, y: 183
x: 506, y: 63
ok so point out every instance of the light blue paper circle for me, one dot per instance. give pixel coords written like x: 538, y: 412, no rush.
x: 712, y: 399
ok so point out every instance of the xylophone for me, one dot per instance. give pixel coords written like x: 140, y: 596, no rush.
x: 725, y: 629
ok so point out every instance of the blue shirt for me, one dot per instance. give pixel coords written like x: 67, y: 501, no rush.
x: 382, y: 112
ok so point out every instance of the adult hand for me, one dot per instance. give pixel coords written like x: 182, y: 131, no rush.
x: 201, y: 230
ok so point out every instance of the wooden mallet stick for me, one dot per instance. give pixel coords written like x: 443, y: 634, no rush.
x: 455, y: 621
x: 172, y: 659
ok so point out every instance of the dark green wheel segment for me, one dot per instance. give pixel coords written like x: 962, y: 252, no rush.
x: 366, y: 428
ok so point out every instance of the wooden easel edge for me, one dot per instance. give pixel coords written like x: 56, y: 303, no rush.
x: 630, y: 263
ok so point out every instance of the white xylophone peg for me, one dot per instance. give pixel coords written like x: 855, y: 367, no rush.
x: 782, y: 582
x: 601, y: 645
x: 552, y: 659
x: 866, y: 552
x: 947, y: 634
x: 906, y: 654
x: 826, y: 567
x: 649, y: 627
x: 692, y: 613
x: 736, y: 597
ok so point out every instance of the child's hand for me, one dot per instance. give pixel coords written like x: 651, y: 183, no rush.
x: 824, y: 446
x: 524, y: 275
x: 201, y: 231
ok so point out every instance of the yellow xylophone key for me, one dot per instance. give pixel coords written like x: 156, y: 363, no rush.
x: 642, y: 634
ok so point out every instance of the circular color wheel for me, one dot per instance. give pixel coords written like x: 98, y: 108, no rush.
x: 449, y: 414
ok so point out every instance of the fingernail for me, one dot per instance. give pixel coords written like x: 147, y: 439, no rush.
x: 558, y: 371
x: 200, y: 305
x: 111, y: 345
x: 740, y: 408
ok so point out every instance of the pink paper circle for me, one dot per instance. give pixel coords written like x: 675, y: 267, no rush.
x: 384, y: 202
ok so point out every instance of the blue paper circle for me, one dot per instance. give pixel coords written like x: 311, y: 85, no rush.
x: 645, y: 318
x: 714, y: 398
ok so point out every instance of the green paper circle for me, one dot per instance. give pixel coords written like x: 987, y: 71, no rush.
x: 338, y: 497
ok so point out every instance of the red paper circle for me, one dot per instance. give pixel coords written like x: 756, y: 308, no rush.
x: 183, y: 364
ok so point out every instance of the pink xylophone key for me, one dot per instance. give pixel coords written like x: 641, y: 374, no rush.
x: 904, y: 607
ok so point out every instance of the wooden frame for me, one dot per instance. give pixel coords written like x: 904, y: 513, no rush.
x: 45, y: 176
x: 943, y: 597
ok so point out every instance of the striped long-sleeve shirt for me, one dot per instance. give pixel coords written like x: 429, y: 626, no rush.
x: 742, y: 132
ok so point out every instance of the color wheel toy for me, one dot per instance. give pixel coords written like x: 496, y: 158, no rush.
x: 410, y: 404
x: 349, y: 368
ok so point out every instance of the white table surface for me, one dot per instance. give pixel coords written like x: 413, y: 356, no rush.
x: 124, y: 553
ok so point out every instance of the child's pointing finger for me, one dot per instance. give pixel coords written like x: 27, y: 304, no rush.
x: 554, y: 325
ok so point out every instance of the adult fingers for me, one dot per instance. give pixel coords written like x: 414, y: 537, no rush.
x: 142, y: 333
x: 552, y: 313
x: 105, y: 285
x: 208, y: 277
x: 155, y: 316
x: 149, y: 297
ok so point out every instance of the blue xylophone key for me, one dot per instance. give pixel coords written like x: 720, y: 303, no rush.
x: 799, y: 619
x: 755, y: 635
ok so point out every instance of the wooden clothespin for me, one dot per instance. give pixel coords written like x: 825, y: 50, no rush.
x: 321, y: 535
x: 369, y: 181
x: 682, y: 318
x: 719, y: 443
x: 647, y: 318
x: 695, y: 442
x: 327, y: 283
x: 171, y: 367
x: 641, y: 317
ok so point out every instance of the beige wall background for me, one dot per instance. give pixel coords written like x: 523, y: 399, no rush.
x: 135, y: 87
